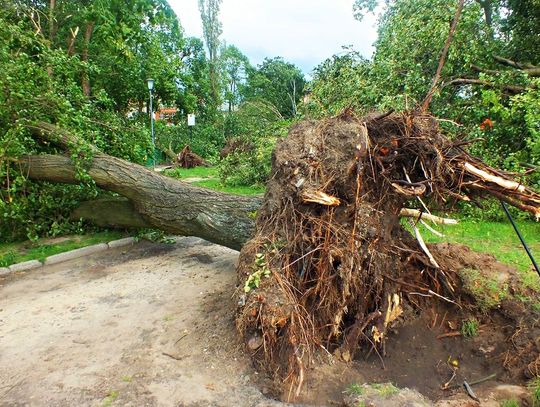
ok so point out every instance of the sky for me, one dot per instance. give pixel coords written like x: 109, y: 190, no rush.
x: 304, y: 32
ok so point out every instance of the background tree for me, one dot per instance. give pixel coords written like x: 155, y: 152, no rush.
x: 487, y: 92
x: 53, y: 72
x: 209, y: 10
x: 235, y: 66
x: 277, y: 82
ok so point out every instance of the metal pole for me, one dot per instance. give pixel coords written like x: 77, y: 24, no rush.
x: 152, y: 129
x: 521, y: 238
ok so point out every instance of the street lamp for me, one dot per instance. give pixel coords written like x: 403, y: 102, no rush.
x: 150, y: 83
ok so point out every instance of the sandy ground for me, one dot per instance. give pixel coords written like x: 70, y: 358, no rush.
x: 148, y: 325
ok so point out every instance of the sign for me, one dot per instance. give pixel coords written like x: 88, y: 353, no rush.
x: 191, y: 119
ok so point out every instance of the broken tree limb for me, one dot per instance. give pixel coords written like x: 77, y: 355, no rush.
x: 486, y: 176
x: 442, y: 59
x: 529, y: 69
x: 512, y: 89
x: 415, y: 213
x: 319, y: 197
x: 422, y: 244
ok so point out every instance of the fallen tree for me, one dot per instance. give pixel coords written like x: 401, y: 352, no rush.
x: 327, y: 265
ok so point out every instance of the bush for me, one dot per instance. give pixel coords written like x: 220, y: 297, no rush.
x: 259, y: 125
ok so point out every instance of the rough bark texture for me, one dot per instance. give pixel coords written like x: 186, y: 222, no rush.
x: 163, y: 203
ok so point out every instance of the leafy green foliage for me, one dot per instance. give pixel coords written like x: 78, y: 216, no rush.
x: 278, y: 83
x: 235, y: 66
x: 259, y: 125
x: 85, y: 87
x: 260, y: 270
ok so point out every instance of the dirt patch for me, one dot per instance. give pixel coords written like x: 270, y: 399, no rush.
x: 148, y: 325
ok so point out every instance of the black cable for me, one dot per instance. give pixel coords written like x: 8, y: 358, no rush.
x: 520, y: 237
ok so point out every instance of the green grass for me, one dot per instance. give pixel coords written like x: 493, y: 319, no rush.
x: 355, y: 389
x: 212, y: 181
x: 11, y: 253
x: 111, y: 397
x: 197, y: 172
x: 469, y: 328
x: 498, y: 239
x: 489, y: 292
x: 534, y: 387
x: 216, y: 185
x: 385, y: 389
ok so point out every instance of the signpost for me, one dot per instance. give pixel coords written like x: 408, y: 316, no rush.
x: 150, y: 84
x: 191, y: 123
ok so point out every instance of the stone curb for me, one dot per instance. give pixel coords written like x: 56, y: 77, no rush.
x: 72, y: 254
x: 25, y: 265
x: 4, y: 271
x: 121, y: 242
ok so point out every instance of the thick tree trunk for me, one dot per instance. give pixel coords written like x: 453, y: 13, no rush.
x: 163, y: 203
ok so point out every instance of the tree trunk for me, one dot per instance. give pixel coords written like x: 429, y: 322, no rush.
x: 162, y: 202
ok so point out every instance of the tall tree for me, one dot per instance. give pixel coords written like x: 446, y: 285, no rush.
x: 235, y: 66
x: 212, y: 30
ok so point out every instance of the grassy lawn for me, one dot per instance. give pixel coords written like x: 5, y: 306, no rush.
x: 11, y: 253
x: 197, y: 172
x: 497, y: 238
x: 216, y: 185
x: 210, y: 180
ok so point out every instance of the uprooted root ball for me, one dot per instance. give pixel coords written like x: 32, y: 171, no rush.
x: 330, y: 266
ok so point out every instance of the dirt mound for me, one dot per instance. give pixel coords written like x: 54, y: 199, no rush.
x: 330, y: 269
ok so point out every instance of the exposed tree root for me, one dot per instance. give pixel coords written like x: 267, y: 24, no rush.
x: 330, y: 266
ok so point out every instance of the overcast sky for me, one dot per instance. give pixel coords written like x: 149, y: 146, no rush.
x: 304, y: 32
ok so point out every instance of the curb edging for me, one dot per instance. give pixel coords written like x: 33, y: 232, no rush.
x: 65, y: 256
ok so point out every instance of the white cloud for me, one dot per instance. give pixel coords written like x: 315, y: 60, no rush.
x: 304, y: 32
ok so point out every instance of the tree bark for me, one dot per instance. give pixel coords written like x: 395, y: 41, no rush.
x: 512, y: 89
x: 115, y: 212
x: 163, y: 203
x: 442, y: 59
